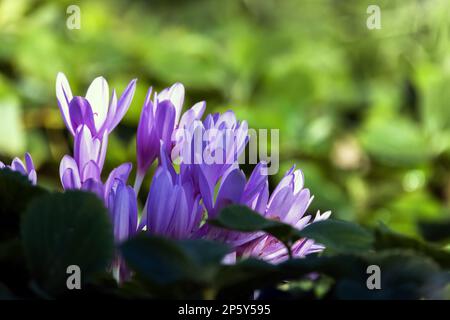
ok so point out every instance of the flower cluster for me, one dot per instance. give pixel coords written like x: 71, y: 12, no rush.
x: 194, y: 178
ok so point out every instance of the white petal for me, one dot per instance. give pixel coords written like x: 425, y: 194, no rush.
x: 98, y: 97
x: 64, y: 96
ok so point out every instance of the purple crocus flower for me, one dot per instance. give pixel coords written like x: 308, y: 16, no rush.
x: 84, y: 170
x: 159, y: 118
x: 123, y: 211
x: 270, y: 249
x: 234, y: 189
x: 173, y: 208
x: 94, y: 110
x: 212, y: 146
x: 121, y: 201
x: 288, y: 203
x: 26, y: 169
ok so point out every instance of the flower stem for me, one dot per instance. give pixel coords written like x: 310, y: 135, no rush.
x: 138, y: 182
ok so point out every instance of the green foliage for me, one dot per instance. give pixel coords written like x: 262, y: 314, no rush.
x: 174, y: 267
x: 336, y: 235
x: 363, y: 113
x: 16, y: 191
x: 72, y: 228
x: 59, y: 230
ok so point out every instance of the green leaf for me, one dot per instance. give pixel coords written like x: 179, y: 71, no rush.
x: 59, y: 230
x: 339, y: 236
x: 387, y: 239
x: 242, y: 218
x: 16, y: 191
x: 5, y: 293
x: 163, y: 262
x: 404, y: 275
x: 435, y: 230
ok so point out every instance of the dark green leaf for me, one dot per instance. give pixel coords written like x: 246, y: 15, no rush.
x: 16, y: 191
x: 59, y: 230
x: 435, y: 231
x: 404, y: 275
x: 339, y: 236
x: 387, y: 239
x: 161, y: 261
x: 242, y: 218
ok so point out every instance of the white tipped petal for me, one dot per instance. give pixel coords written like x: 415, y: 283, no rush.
x: 98, y: 97
x: 64, y: 96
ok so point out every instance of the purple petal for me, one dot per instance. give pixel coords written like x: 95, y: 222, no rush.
x: 90, y: 171
x: 64, y: 96
x: 123, y: 104
x: 29, y: 162
x: 95, y: 186
x: 69, y: 174
x: 120, y: 173
x: 180, y: 219
x: 231, y: 189
x: 147, y: 144
x: 81, y: 114
x: 160, y: 202
x: 124, y: 211
x: 102, y: 151
x: 32, y: 176
x: 194, y: 113
x: 176, y: 96
x: 165, y: 120
x: 17, y: 165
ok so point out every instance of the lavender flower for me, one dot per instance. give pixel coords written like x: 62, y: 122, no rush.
x: 26, y: 169
x: 158, y: 120
x: 84, y: 170
x: 208, y: 153
x: 212, y: 146
x: 121, y: 201
x: 173, y: 207
x: 95, y: 110
x: 288, y: 203
x: 270, y: 249
x: 234, y: 189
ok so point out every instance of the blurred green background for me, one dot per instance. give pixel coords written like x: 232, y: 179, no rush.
x: 365, y: 113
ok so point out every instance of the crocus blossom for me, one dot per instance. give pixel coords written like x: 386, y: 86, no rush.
x: 213, y: 146
x: 95, y: 110
x: 26, y: 169
x: 173, y: 207
x: 159, y: 118
x: 121, y: 201
x: 207, y: 179
x: 123, y: 209
x: 234, y: 189
x: 86, y: 166
x: 288, y: 203
x: 270, y: 249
